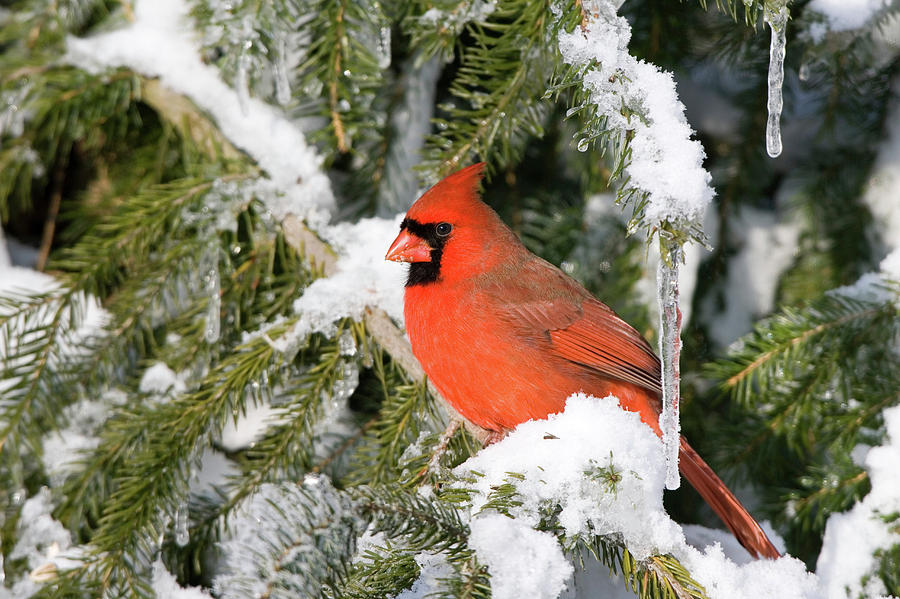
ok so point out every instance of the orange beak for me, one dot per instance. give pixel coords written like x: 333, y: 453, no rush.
x: 409, y: 248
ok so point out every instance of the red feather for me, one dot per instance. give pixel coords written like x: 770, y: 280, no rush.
x: 507, y: 337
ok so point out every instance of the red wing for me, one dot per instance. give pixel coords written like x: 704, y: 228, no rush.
x: 594, y: 336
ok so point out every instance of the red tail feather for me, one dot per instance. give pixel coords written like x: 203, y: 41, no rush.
x: 725, y: 504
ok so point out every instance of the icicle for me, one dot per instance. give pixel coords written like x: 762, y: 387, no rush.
x: 347, y: 344
x: 209, y: 269
x: 182, y: 534
x: 12, y: 112
x: 777, y: 18
x: 282, y: 83
x: 383, y: 51
x: 241, y: 85
x: 670, y: 352
x: 346, y: 384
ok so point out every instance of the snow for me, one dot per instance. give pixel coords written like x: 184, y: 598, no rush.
x: 22, y: 282
x: 883, y: 188
x: 159, y: 379
x: 776, y: 16
x: 433, y: 569
x: 166, y: 587
x: 784, y: 578
x: 565, y: 460
x: 63, y: 448
x: 852, y: 537
x: 538, y: 569
x: 665, y: 162
x: 61, y: 451
x: 362, y: 279
x: 768, y: 245
x: 44, y: 544
x: 160, y: 43
x: 871, y: 287
x: 602, y: 466
x: 249, y: 427
x: 843, y: 15
x: 41, y: 538
x: 214, y: 472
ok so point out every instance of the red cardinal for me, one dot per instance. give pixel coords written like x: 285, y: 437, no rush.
x: 506, y: 336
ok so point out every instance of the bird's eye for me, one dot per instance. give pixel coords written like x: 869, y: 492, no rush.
x: 443, y: 229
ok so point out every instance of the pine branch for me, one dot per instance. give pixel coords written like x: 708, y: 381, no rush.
x: 498, y: 89
x: 752, y: 9
x: 658, y: 577
x: 155, y: 476
x: 424, y: 525
x: 434, y: 27
x: 290, y: 538
x: 403, y: 414
x: 36, y: 332
x: 380, y: 573
x: 813, y: 508
x: 287, y: 449
x: 796, y: 337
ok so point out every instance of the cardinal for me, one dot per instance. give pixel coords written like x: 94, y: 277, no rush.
x: 506, y: 337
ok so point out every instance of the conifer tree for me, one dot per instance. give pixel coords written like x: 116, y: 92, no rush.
x: 205, y: 381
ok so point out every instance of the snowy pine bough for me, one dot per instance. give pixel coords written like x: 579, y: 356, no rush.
x: 208, y: 393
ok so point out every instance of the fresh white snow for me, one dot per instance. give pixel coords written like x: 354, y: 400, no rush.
x: 846, y: 563
x: 665, y: 162
x: 160, y: 43
x: 537, y: 568
x: 767, y: 245
x: 603, y: 467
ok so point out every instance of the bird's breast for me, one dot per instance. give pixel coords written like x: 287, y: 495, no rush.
x: 491, y: 373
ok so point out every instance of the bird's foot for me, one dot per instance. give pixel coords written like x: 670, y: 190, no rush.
x: 494, y: 437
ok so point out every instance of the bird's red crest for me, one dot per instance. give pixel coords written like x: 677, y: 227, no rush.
x: 455, y: 194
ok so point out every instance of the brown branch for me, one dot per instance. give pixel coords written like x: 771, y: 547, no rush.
x: 190, y: 123
x: 336, y: 121
x: 50, y: 220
